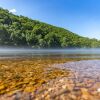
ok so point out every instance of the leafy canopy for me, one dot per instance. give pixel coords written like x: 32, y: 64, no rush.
x: 22, y: 31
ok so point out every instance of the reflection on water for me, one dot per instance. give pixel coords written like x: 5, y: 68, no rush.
x: 63, y: 53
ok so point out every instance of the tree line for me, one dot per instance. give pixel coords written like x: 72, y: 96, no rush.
x: 22, y: 31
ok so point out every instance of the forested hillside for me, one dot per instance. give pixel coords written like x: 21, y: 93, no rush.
x: 22, y: 31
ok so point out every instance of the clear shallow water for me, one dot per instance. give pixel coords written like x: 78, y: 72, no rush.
x: 64, y: 53
x: 84, y: 71
x: 89, y: 68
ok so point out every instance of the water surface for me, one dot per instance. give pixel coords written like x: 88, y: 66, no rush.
x: 63, y: 53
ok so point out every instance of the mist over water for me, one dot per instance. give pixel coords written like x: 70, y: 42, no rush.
x: 67, y: 53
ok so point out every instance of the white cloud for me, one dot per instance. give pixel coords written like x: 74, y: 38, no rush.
x: 13, y: 11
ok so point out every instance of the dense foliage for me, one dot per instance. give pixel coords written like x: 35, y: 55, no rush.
x: 22, y: 31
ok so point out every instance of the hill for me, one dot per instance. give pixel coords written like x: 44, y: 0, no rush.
x: 22, y: 31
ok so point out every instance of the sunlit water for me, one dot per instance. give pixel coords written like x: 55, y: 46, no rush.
x: 83, y: 70
x: 64, y: 53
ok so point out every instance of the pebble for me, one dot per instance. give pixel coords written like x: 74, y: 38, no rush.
x: 64, y: 86
x: 98, y: 89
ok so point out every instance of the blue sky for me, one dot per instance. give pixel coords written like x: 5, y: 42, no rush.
x: 79, y: 16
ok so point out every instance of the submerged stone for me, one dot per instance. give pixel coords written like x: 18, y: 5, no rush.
x: 84, y: 70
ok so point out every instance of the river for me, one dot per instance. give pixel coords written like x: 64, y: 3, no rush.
x: 58, y: 53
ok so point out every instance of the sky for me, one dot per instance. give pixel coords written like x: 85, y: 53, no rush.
x: 79, y: 16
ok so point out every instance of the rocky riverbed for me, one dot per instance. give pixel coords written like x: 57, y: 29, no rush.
x: 83, y: 70
x: 82, y: 83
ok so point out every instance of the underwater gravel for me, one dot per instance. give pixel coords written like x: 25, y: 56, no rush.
x: 82, y: 84
x: 85, y: 68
